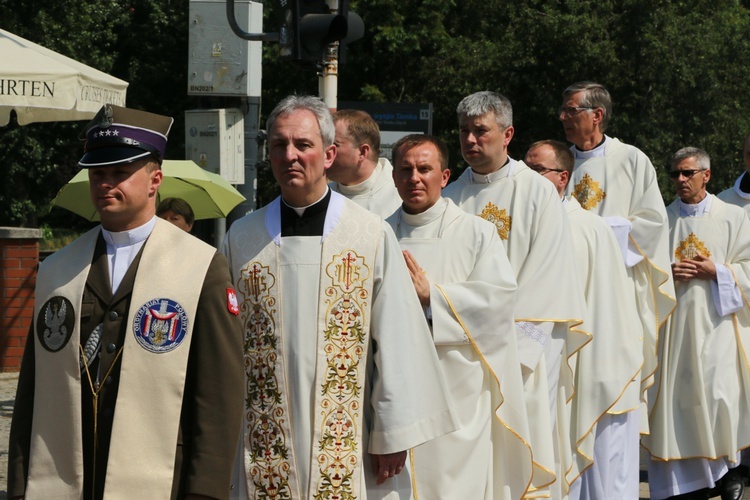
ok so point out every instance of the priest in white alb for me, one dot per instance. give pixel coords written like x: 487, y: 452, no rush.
x: 700, y: 403
x: 358, y: 172
x: 340, y: 367
x: 532, y: 225
x: 467, y: 289
x: 618, y: 182
x: 607, y: 375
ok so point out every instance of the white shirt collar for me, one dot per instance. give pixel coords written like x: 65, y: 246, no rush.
x: 699, y: 209
x: 431, y: 214
x: 598, y: 152
x: 504, y: 171
x: 364, y: 186
x: 129, y: 237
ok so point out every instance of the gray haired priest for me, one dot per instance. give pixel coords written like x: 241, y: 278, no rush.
x: 131, y: 380
x: 340, y: 367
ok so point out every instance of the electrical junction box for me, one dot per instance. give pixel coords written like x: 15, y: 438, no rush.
x: 215, y: 140
x: 219, y: 62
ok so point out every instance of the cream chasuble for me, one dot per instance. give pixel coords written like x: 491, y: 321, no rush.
x: 532, y: 225
x: 56, y: 466
x: 472, y: 295
x: 700, y: 404
x: 736, y: 196
x: 377, y: 194
x: 623, y: 184
x: 339, y: 358
x: 607, y: 369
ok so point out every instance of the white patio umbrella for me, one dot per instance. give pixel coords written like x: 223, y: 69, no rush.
x: 44, y: 86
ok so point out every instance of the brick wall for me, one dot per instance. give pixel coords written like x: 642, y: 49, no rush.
x: 19, y: 259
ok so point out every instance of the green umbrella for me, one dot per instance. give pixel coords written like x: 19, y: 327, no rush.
x: 209, y: 195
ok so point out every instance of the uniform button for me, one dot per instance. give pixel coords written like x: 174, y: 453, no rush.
x: 111, y: 348
x: 113, y: 315
x: 108, y: 381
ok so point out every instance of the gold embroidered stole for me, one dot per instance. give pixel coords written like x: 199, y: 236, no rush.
x: 343, y: 323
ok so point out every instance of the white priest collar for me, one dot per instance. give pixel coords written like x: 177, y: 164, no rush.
x: 504, y: 171
x: 364, y: 186
x: 431, y: 214
x: 301, y: 210
x: 737, y: 189
x: 598, y: 152
x: 333, y: 214
x: 122, y: 247
x: 699, y: 209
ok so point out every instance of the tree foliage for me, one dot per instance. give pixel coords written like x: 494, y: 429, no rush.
x: 676, y: 69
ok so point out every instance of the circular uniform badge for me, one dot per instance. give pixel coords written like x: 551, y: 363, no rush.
x: 55, y: 323
x: 160, y: 325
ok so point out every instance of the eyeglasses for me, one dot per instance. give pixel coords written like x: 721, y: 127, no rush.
x: 569, y: 111
x: 688, y: 174
x: 543, y: 170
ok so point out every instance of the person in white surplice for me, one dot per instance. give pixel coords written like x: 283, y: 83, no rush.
x: 467, y: 289
x: 340, y: 368
x: 607, y: 372
x: 532, y: 225
x: 618, y: 182
x: 700, y: 402
x: 739, y: 193
x: 357, y: 171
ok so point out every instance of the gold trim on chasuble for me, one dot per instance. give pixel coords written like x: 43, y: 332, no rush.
x: 338, y: 430
x: 690, y: 247
x: 267, y: 431
x: 588, y: 193
x: 499, y: 217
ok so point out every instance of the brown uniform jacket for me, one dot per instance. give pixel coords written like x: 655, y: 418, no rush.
x: 213, y: 400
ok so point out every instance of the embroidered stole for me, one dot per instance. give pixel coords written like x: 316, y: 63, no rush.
x: 343, y: 324
x: 147, y: 415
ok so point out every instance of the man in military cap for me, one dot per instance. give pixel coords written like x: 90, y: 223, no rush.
x: 131, y: 382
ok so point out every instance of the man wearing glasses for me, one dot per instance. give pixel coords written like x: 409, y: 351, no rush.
x: 700, y: 415
x: 607, y: 372
x: 531, y: 223
x: 618, y: 182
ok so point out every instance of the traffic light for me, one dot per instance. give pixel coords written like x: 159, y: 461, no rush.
x: 308, y: 27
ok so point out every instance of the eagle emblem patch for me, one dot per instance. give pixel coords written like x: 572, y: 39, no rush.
x: 54, y: 325
x: 160, y: 325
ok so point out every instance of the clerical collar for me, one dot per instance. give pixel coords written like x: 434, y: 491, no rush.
x: 364, y: 186
x: 699, y: 209
x: 429, y: 215
x: 305, y: 221
x: 742, y: 186
x: 301, y: 210
x: 129, y: 237
x: 505, y: 171
x: 598, y: 152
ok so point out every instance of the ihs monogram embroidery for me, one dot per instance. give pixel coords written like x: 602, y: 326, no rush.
x: 265, y: 416
x: 499, y: 217
x: 342, y: 390
x: 588, y: 193
x: 690, y: 247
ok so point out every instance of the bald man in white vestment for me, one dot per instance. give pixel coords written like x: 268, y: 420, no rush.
x: 467, y: 289
x: 340, y: 367
x: 533, y: 228
x: 607, y: 369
